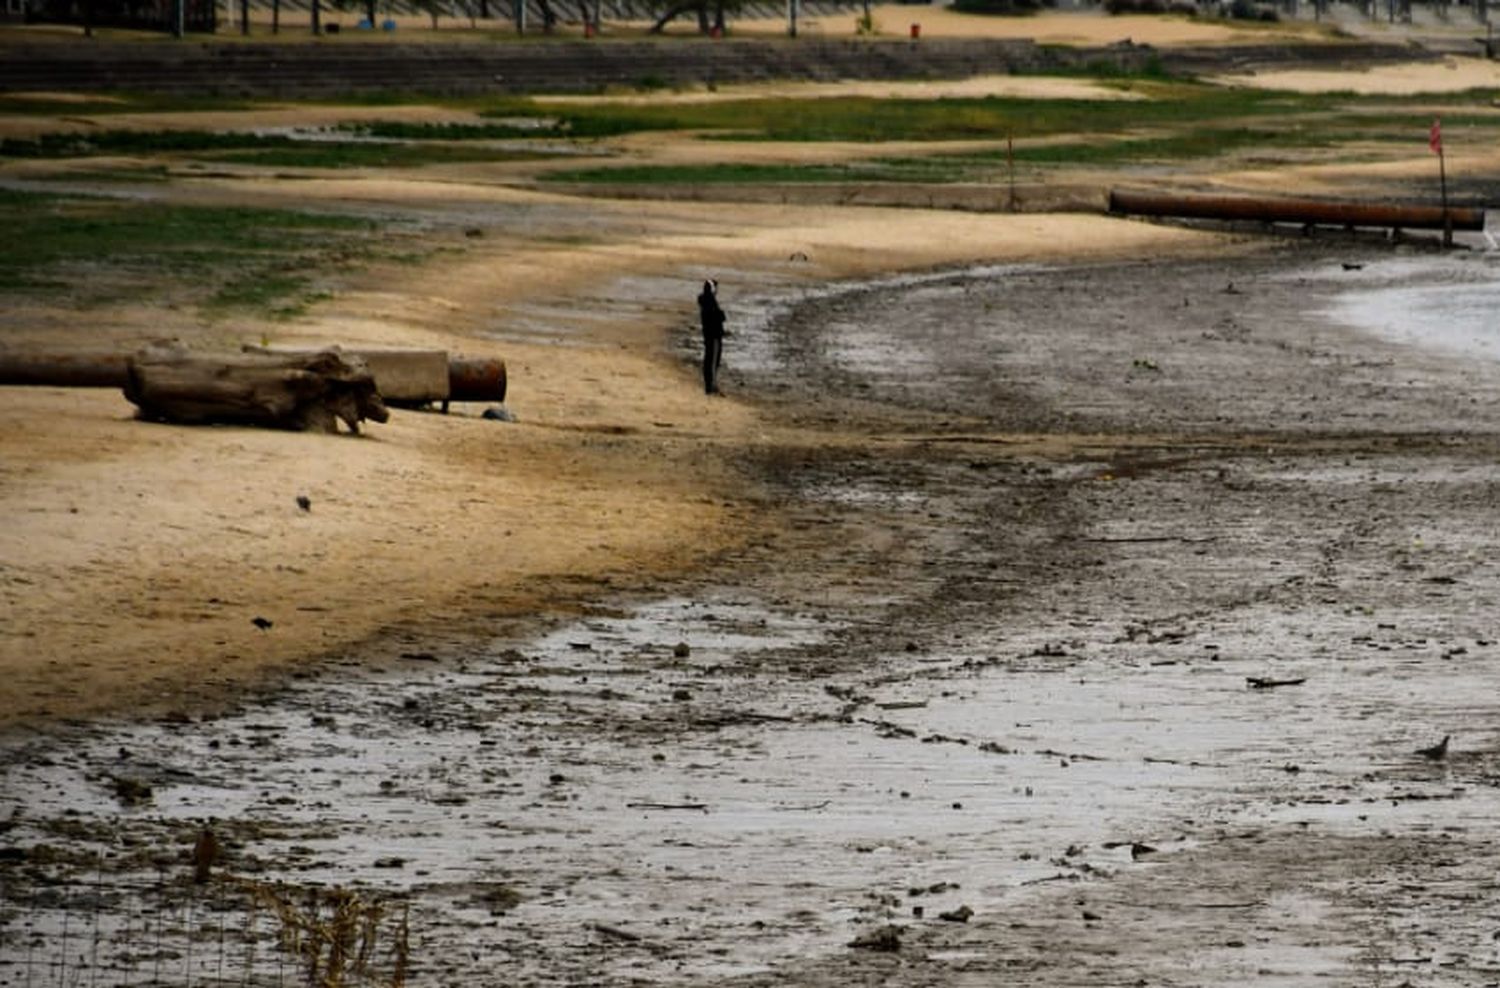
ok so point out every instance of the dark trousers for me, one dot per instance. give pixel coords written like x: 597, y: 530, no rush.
x: 713, y: 354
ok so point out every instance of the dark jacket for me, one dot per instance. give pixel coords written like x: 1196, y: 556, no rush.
x: 711, y: 314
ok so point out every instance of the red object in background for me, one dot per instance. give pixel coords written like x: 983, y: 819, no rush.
x: 1435, y: 136
x: 916, y: 31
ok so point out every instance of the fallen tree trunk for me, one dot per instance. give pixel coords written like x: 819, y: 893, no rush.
x: 308, y: 391
x: 1306, y: 211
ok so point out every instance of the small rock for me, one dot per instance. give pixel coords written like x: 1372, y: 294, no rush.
x: 132, y: 792
x: 498, y: 413
x: 886, y: 938
x: 1139, y: 850
x: 681, y: 650
x: 1091, y: 917
x: 959, y: 915
x: 304, y: 502
x: 390, y: 862
x: 681, y: 695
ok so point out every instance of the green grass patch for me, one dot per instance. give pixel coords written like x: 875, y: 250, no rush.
x: 85, y: 144
x: 863, y: 119
x: 732, y: 174
x: 403, y: 131
x: 311, y: 154
x: 94, y: 105
x: 100, y: 250
x: 270, y: 150
x: 124, y: 176
x: 976, y: 166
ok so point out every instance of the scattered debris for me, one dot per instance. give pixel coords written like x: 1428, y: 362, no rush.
x: 1436, y: 752
x: 615, y: 933
x: 206, y: 852
x: 130, y: 791
x: 886, y: 938
x: 1270, y: 683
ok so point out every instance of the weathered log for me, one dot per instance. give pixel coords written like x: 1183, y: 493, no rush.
x: 169, y: 383
x: 1316, y: 212
x: 81, y: 369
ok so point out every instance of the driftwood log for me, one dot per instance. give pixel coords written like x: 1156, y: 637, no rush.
x: 302, y: 391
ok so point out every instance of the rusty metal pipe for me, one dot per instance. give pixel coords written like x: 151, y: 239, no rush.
x: 469, y: 379
x: 82, y: 369
x: 474, y: 379
x: 1307, y: 211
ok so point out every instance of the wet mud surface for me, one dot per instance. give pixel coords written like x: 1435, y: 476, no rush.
x: 1107, y: 612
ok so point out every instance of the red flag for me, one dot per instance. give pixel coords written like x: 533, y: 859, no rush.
x: 1435, y: 136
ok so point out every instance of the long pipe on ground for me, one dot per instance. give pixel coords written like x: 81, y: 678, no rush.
x: 476, y: 379
x: 80, y: 369
x: 469, y: 379
x: 1306, y: 211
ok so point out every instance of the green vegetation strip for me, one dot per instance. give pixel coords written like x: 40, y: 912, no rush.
x: 863, y: 119
x: 270, y: 150
x: 335, y: 155
x: 99, y: 250
x: 94, y: 105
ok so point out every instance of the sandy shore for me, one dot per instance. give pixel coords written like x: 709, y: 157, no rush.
x: 144, y: 551
x: 138, y: 554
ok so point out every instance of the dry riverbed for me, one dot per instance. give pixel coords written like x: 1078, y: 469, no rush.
x: 987, y: 695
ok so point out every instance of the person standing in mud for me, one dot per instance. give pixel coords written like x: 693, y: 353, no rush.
x: 713, y: 335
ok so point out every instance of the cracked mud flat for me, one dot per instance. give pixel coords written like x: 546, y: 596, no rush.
x: 1042, y: 528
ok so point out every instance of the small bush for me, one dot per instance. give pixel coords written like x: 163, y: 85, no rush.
x: 1248, y: 10
x: 1151, y: 7
x: 1000, y: 7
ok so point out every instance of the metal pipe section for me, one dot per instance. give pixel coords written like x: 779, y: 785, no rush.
x: 1306, y: 211
x: 469, y: 378
x: 63, y: 370
x: 475, y: 379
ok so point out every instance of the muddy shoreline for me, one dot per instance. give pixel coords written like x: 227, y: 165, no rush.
x: 1038, y: 528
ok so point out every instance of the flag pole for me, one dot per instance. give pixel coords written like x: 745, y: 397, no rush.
x: 1435, y: 141
x: 1443, y: 185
